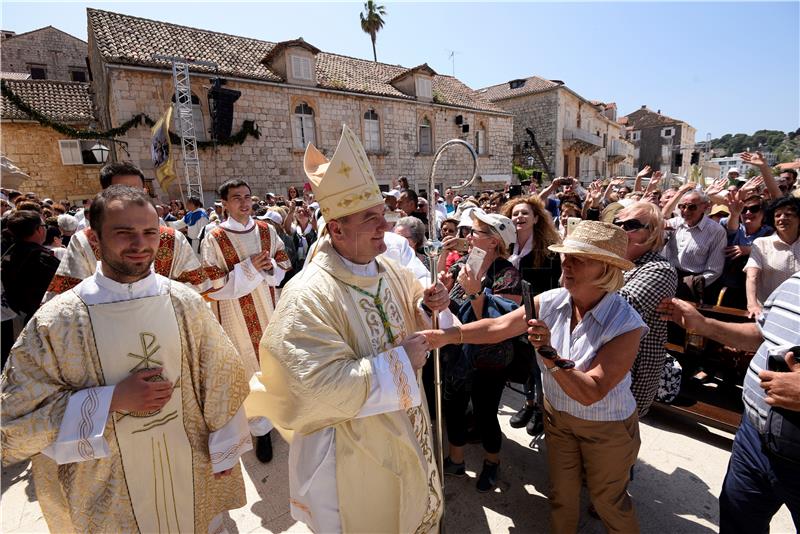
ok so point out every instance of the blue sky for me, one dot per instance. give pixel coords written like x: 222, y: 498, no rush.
x: 722, y: 67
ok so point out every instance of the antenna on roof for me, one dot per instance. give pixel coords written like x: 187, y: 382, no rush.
x: 452, y: 57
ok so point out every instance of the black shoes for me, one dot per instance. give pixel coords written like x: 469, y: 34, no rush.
x: 488, y: 478
x: 521, y: 418
x: 536, y: 425
x: 453, y: 469
x: 264, y: 448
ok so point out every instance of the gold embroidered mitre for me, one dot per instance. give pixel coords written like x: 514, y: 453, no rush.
x: 345, y: 184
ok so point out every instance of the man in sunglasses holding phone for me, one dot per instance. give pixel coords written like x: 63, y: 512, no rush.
x: 696, y: 248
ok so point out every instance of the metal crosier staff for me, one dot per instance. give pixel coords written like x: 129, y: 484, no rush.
x: 433, y: 249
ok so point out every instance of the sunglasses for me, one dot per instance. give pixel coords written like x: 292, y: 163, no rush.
x: 479, y: 233
x: 751, y: 209
x: 631, y: 225
x: 549, y: 353
x: 687, y: 207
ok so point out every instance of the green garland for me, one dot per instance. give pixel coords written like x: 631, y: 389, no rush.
x: 248, y: 127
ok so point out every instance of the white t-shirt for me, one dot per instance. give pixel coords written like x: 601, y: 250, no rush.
x: 777, y: 261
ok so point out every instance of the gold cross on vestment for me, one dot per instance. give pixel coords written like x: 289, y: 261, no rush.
x: 345, y: 169
x: 149, y: 349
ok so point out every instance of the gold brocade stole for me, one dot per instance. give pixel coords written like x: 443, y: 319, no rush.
x: 156, y: 454
x: 382, y: 319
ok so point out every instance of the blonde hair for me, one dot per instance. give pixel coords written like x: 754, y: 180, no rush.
x: 655, y: 222
x: 611, y: 280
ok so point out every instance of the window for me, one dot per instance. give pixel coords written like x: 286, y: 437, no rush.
x: 372, y: 131
x: 38, y: 72
x: 77, y: 75
x: 425, y: 137
x: 480, y: 140
x: 301, y: 68
x: 667, y: 132
x: 303, y: 126
x: 200, y: 132
x: 424, y: 87
x: 636, y: 136
x: 79, y: 152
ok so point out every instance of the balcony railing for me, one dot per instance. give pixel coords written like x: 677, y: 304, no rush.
x: 619, y: 148
x: 583, y: 135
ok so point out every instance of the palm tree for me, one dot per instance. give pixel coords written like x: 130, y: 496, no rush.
x: 372, y: 22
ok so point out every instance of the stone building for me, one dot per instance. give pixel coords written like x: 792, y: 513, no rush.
x: 577, y: 137
x: 44, y: 54
x: 58, y: 166
x: 295, y: 94
x: 659, y: 141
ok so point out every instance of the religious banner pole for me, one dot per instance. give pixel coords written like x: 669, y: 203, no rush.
x: 433, y: 249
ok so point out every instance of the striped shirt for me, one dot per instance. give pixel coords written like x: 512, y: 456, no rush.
x: 611, y: 317
x: 698, y: 249
x: 779, y: 323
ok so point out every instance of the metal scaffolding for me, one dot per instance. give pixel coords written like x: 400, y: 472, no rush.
x: 183, y: 109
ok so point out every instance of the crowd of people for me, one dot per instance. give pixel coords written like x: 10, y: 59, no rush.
x: 310, y: 312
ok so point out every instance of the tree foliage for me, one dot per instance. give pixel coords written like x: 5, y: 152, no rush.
x: 372, y: 22
x: 785, y: 145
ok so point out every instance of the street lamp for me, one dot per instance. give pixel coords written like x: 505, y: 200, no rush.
x: 100, y: 152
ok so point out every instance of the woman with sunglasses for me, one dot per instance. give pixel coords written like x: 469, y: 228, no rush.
x: 587, y: 337
x: 744, y: 225
x: 477, y: 372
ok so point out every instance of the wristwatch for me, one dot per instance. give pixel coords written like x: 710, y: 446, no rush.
x: 474, y: 296
x: 553, y: 369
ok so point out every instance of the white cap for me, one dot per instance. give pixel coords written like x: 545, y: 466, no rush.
x: 466, y: 218
x: 734, y: 169
x: 393, y: 193
x: 273, y: 216
x: 500, y: 223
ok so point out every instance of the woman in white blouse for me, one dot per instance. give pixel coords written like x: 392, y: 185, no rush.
x: 587, y: 337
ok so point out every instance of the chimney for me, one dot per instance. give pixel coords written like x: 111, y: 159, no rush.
x: 659, y: 112
x: 644, y: 107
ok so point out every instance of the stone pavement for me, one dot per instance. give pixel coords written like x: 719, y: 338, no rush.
x: 678, y: 477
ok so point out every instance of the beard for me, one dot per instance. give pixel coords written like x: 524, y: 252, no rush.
x: 126, y: 268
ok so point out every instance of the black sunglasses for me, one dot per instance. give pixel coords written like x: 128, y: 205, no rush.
x: 687, y: 207
x: 751, y: 209
x: 631, y: 225
x: 549, y: 353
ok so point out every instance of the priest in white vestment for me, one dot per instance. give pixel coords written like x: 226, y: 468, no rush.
x: 245, y: 260
x: 126, y: 394
x: 174, y: 257
x: 341, y: 363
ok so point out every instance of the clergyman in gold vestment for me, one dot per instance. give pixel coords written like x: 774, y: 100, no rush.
x: 126, y: 394
x: 340, y: 364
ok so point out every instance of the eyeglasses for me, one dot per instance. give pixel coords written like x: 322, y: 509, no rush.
x: 631, y: 225
x: 751, y: 209
x: 478, y: 233
x: 688, y: 207
x: 549, y: 353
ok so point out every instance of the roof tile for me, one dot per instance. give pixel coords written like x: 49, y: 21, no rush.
x: 60, y: 101
x: 525, y: 86
x: 123, y: 39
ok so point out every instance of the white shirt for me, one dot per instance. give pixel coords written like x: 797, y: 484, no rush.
x: 777, y: 261
x: 611, y: 317
x: 698, y: 249
x: 99, y: 289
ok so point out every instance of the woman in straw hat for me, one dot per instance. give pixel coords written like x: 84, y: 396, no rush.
x: 587, y: 338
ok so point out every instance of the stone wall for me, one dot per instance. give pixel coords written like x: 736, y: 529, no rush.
x: 34, y: 149
x: 272, y: 163
x: 540, y: 113
x: 57, y: 51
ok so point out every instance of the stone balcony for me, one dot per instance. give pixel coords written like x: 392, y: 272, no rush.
x: 618, y: 150
x: 582, y: 141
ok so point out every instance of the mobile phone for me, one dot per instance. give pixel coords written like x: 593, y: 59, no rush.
x: 298, y: 202
x: 572, y: 222
x: 475, y: 259
x: 776, y: 360
x: 461, y: 244
x: 527, y: 300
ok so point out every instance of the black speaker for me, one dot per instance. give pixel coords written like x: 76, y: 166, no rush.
x: 220, y: 105
x: 465, y: 128
x: 695, y: 158
x: 459, y: 120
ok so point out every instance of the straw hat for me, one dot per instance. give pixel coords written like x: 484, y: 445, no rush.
x: 599, y: 241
